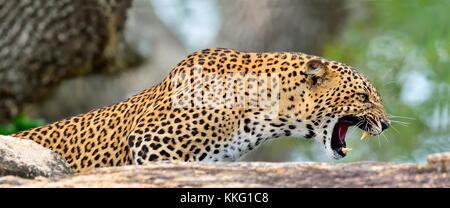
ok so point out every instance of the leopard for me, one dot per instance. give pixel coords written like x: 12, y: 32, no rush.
x: 219, y: 104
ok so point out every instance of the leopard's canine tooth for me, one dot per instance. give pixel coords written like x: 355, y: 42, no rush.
x: 365, y: 135
x: 345, y: 150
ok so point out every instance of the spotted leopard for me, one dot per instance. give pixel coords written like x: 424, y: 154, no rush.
x: 219, y: 104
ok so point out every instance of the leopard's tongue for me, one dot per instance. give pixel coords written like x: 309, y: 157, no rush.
x: 342, y: 131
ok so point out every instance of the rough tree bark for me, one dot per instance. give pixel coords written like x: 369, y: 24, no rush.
x: 154, y: 42
x: 45, y: 41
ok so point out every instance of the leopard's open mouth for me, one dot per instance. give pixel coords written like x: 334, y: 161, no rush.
x: 338, y: 144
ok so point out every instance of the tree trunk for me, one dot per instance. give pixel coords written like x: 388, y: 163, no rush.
x: 45, y: 41
x: 281, y: 25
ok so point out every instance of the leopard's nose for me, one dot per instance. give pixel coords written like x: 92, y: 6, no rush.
x: 385, y: 124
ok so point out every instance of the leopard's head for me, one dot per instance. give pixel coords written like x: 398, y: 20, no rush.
x: 336, y: 97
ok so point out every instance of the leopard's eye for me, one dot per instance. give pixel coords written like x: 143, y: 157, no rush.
x: 363, y: 97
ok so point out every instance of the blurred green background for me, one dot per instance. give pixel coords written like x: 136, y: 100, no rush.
x: 402, y: 46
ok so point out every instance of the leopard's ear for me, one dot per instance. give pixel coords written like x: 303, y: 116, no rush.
x: 316, y: 72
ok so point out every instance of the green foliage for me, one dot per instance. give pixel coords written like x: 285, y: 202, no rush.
x: 19, y: 123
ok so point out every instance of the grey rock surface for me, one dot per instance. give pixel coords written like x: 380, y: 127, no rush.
x: 27, y: 159
x: 255, y: 174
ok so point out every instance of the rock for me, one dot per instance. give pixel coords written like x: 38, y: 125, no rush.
x: 27, y: 164
x: 27, y: 159
x: 250, y: 174
x: 440, y: 161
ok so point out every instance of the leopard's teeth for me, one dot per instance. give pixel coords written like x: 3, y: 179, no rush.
x: 365, y: 135
x: 345, y: 150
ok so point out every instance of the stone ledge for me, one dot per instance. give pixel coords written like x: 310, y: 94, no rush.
x: 250, y: 174
x: 24, y: 163
x: 27, y: 159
